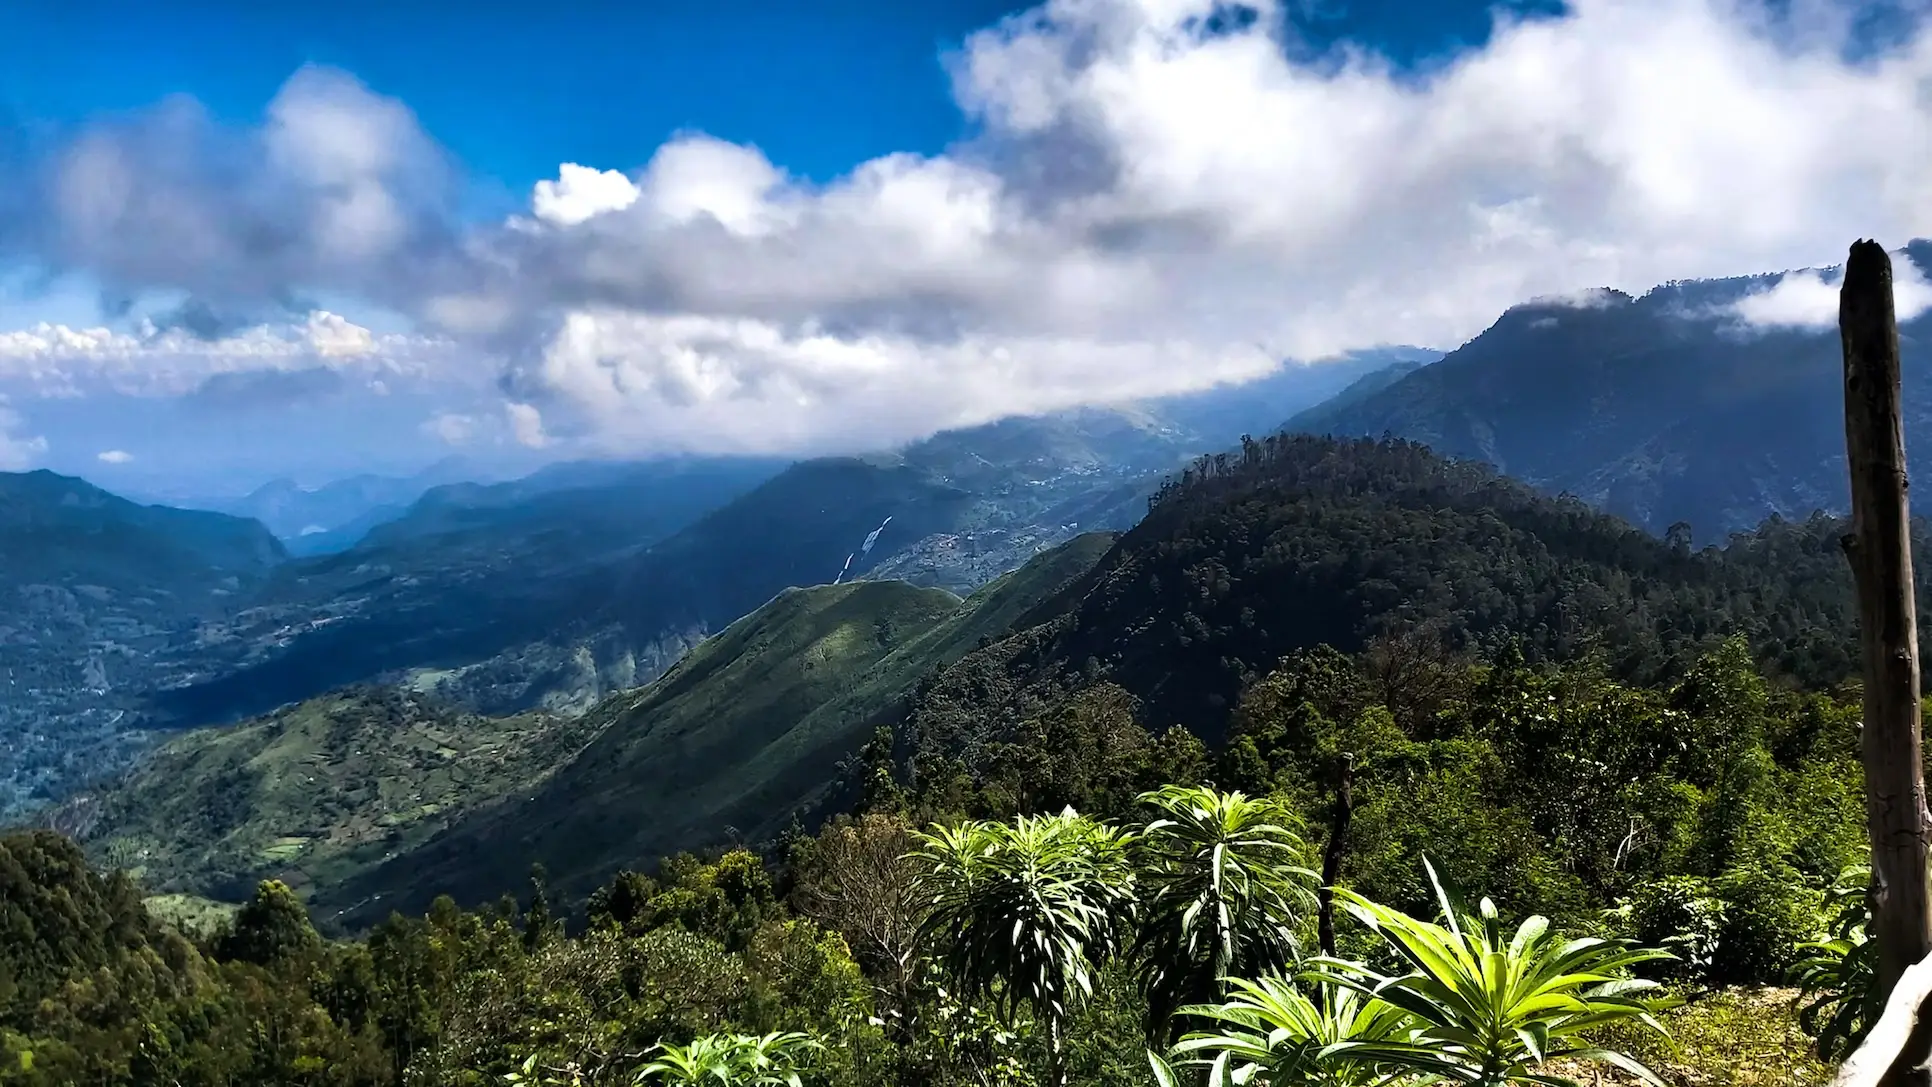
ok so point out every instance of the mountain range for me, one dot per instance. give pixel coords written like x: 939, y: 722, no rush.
x: 374, y: 800
x: 334, y: 515
x: 698, y: 643
x: 585, y: 579
x: 103, y: 596
x: 1664, y: 409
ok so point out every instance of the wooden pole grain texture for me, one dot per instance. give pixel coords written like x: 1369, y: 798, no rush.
x: 1879, y: 547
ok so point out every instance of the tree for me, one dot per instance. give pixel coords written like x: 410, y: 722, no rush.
x: 1023, y: 914
x: 858, y: 880
x: 537, y: 924
x: 1488, y: 1005
x: 272, y: 927
x: 623, y: 900
x: 1223, y: 888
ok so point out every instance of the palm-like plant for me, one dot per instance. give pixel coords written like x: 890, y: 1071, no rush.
x: 1223, y: 886
x: 1023, y: 914
x: 732, y: 1060
x: 1270, y: 1031
x: 1836, y: 977
x: 1488, y: 1006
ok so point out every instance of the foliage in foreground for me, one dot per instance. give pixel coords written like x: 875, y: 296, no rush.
x: 1836, y: 976
x: 1021, y: 915
x: 1707, y: 816
x: 721, y: 1060
x: 1225, y: 887
x: 1491, y: 1006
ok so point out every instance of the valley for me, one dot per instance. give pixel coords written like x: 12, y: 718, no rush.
x: 553, y: 592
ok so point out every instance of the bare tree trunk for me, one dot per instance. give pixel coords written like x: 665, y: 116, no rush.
x: 1337, y: 849
x: 1880, y: 550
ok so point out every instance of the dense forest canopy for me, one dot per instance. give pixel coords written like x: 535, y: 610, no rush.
x: 1298, y: 542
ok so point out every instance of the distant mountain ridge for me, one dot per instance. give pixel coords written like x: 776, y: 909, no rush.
x: 585, y: 579
x: 345, y: 793
x: 747, y: 730
x: 1661, y: 409
x: 579, y: 622
x: 63, y: 528
x: 334, y: 515
x: 1294, y: 544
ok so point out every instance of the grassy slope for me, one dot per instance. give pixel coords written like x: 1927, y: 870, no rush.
x: 191, y: 914
x: 747, y: 729
x: 314, y: 791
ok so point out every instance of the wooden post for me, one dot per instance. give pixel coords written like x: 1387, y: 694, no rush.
x: 1902, y: 1029
x: 1332, y: 858
x: 1879, y: 547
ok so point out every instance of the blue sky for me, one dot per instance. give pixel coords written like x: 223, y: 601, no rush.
x: 512, y: 90
x: 792, y: 228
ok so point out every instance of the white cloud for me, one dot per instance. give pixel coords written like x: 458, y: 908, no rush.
x: 18, y: 451
x: 740, y: 385
x: 526, y: 424
x: 1143, y: 208
x: 451, y: 428
x: 333, y: 336
x: 50, y: 359
x: 114, y: 456
x: 339, y: 188
x: 581, y: 192
x: 1150, y: 208
x: 1588, y: 298
x: 1809, y: 299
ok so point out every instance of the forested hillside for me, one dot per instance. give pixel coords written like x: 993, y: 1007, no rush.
x: 1299, y: 542
x: 744, y: 735
x: 1709, y: 816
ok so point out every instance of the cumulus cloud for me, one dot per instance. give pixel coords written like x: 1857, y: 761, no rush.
x: 114, y: 456
x: 747, y: 386
x: 1153, y: 207
x: 339, y: 187
x: 1151, y: 202
x: 18, y: 451
x: 581, y: 192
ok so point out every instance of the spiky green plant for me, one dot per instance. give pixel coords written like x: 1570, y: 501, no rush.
x: 1023, y: 914
x: 1836, y: 977
x: 1491, y: 1007
x: 1271, y: 1031
x: 1223, y: 886
x: 732, y: 1060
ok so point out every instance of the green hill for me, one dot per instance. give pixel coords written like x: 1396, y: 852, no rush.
x: 747, y: 729
x: 311, y: 792
x: 1299, y: 542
